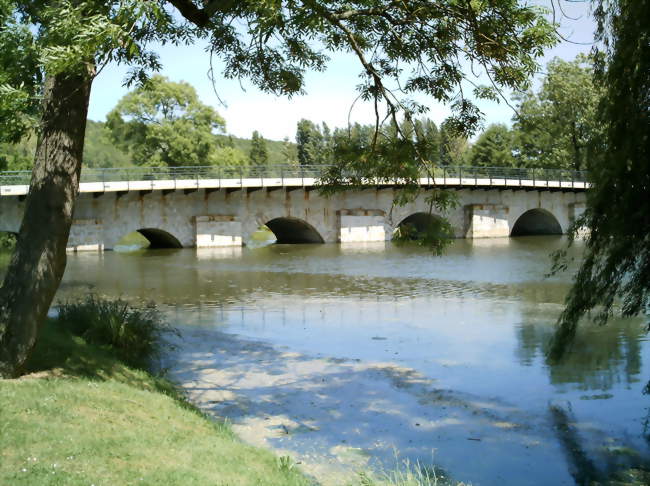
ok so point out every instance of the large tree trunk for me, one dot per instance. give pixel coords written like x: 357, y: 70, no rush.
x: 38, y: 262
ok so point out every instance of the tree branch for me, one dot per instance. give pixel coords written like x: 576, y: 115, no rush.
x: 201, y: 16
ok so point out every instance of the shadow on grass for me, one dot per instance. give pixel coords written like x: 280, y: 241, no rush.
x: 59, y: 353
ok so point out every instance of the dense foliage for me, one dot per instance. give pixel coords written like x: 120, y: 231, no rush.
x: 165, y: 123
x: 493, y: 148
x: 555, y: 126
x: 20, y: 77
x: 318, y: 145
x: 258, y: 156
x: 616, y: 263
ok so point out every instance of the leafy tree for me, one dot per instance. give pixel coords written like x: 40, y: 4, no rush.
x: 493, y: 148
x: 18, y: 156
x: 64, y: 44
x: 20, y: 77
x: 99, y: 149
x: 275, y: 148
x: 165, y: 124
x: 427, y: 138
x: 555, y: 126
x: 453, y: 144
x: 272, y: 44
x: 348, y: 143
x: 616, y: 262
x: 230, y: 157
x: 258, y: 156
x: 311, y: 143
x: 289, y: 152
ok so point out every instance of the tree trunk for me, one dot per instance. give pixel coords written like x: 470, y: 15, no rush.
x: 39, y: 259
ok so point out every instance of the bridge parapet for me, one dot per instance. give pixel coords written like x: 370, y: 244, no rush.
x: 16, y: 183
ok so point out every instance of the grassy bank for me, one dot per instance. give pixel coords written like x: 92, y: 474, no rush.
x: 83, y: 416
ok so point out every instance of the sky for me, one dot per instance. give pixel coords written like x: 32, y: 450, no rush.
x: 330, y: 94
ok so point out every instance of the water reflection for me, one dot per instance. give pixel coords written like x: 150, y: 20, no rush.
x: 601, y: 358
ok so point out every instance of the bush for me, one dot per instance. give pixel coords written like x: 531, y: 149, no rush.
x: 134, y: 334
x: 7, y: 241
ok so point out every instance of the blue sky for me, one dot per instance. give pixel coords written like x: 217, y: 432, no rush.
x: 329, y: 97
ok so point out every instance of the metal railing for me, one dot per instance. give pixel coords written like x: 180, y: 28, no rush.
x: 449, y: 175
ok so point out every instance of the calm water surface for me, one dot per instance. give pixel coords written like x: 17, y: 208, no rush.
x: 473, y: 322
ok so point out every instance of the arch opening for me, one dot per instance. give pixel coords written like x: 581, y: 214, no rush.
x: 150, y: 238
x: 293, y: 230
x: 159, y: 238
x: 536, y: 222
x: 423, y: 226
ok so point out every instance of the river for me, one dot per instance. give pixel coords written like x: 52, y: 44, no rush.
x: 360, y: 357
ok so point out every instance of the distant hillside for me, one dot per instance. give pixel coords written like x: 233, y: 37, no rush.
x: 99, y: 150
x: 274, y: 147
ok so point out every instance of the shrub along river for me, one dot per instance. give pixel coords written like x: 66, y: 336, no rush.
x: 350, y: 358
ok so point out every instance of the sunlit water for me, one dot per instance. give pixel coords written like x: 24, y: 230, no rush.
x: 473, y: 322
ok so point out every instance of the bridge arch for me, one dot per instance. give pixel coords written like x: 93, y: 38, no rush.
x: 160, y: 238
x: 418, y: 225
x: 294, y: 230
x: 156, y: 237
x: 537, y: 221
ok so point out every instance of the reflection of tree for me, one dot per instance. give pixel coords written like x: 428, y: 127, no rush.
x: 597, y: 467
x: 601, y: 357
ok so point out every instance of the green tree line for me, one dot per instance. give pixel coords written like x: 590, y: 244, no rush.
x: 554, y: 127
x: 161, y: 124
x: 165, y: 124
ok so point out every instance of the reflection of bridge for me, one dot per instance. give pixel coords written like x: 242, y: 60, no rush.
x: 210, y: 206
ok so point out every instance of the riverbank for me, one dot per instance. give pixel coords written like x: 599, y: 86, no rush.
x: 82, y: 416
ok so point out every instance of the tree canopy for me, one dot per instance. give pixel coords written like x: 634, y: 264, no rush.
x: 555, y: 126
x: 615, y: 269
x: 165, y: 123
x: 493, y: 148
x: 258, y: 155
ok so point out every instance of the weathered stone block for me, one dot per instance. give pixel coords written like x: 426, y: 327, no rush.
x: 361, y: 226
x: 486, y: 221
x: 218, y: 230
x: 86, y: 235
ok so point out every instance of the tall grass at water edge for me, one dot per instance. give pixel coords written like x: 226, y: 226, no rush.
x: 407, y: 473
x: 134, y: 334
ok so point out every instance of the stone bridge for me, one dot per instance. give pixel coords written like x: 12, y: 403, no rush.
x: 208, y: 207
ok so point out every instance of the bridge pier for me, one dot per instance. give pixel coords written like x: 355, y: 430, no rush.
x: 486, y: 221
x: 86, y: 235
x: 360, y: 226
x: 218, y: 230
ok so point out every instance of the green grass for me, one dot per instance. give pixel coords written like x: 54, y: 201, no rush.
x: 84, y: 417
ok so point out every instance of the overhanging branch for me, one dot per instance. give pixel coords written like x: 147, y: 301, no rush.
x: 201, y: 16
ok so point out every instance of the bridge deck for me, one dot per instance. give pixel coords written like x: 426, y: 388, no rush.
x: 179, y: 178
